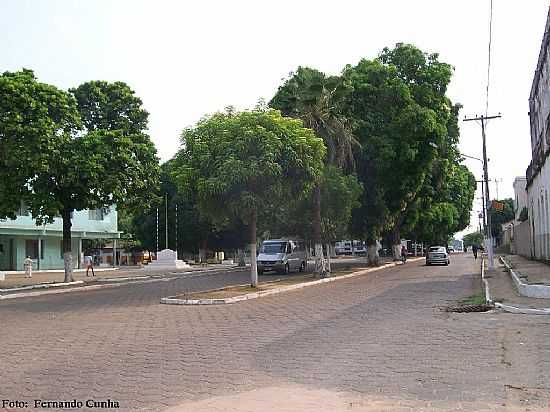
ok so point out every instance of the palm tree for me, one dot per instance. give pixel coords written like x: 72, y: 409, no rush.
x: 314, y: 98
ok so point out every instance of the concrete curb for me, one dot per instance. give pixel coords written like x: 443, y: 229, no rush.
x: 525, y: 289
x: 505, y: 307
x: 42, y: 286
x: 520, y: 310
x: 488, y: 299
x: 110, y: 283
x: 172, y: 300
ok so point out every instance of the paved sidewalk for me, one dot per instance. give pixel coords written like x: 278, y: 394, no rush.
x: 50, y: 277
x: 533, y: 271
x: 504, y: 291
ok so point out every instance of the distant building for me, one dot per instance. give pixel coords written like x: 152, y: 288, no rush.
x: 520, y: 195
x: 538, y: 172
x: 21, y: 237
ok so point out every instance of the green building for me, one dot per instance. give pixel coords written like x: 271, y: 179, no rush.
x: 21, y: 237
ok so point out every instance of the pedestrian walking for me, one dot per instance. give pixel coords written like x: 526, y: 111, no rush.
x: 474, y: 250
x: 89, y: 262
x: 403, y: 253
x: 27, y: 264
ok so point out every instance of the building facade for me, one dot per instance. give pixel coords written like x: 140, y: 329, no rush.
x: 21, y: 237
x: 538, y: 172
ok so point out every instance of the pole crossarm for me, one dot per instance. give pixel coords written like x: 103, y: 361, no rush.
x: 488, y: 235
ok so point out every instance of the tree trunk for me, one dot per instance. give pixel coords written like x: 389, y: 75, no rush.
x: 240, y: 257
x: 202, y: 251
x: 253, y: 264
x: 328, y: 258
x: 396, y: 243
x: 372, y: 253
x: 67, y: 249
x: 320, y: 265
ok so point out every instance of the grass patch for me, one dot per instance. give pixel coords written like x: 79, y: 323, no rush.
x: 477, y: 299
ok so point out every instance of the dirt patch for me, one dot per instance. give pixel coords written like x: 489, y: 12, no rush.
x: 232, y: 291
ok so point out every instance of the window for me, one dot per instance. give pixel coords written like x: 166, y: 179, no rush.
x: 98, y: 214
x: 31, y: 248
x: 23, y: 210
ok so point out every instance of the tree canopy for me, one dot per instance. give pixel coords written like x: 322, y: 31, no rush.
x: 243, y: 164
x: 71, y: 162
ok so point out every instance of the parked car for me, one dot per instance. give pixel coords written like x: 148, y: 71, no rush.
x: 282, y: 256
x: 437, y: 254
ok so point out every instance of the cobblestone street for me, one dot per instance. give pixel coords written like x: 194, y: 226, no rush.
x: 375, y: 342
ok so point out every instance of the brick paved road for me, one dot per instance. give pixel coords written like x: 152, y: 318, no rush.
x: 378, y: 342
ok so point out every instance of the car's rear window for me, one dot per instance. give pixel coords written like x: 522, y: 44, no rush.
x: 435, y: 249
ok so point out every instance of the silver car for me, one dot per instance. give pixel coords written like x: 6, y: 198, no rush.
x: 437, y: 254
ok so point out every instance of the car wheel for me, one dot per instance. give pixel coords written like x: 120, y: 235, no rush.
x: 303, y: 267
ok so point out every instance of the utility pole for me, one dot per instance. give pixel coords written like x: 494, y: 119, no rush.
x: 166, y: 218
x: 488, y: 235
x: 157, y: 229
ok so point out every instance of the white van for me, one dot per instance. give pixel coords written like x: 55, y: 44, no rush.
x: 282, y: 256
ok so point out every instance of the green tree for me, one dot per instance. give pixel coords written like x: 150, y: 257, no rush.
x: 316, y: 99
x: 243, y: 163
x: 401, y: 112
x: 36, y: 119
x: 499, y: 217
x: 475, y: 238
x: 90, y: 168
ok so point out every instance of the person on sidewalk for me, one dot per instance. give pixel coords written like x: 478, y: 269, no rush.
x: 27, y: 264
x: 403, y: 253
x: 474, y: 250
x: 89, y: 262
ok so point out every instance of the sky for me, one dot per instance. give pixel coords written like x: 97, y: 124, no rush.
x: 189, y: 59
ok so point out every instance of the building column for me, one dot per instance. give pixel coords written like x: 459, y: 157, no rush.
x: 39, y: 253
x: 114, y: 253
x: 79, y: 253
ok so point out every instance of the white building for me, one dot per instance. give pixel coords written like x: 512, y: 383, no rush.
x: 538, y: 172
x: 520, y: 195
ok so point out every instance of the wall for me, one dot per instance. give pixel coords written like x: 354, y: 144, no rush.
x: 81, y: 223
x: 522, y: 239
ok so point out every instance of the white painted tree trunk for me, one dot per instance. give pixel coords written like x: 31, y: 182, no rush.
x: 396, y: 252
x: 253, y: 262
x: 240, y: 255
x: 329, y: 270
x: 320, y: 262
x: 68, y: 265
x: 202, y: 255
x: 373, y: 258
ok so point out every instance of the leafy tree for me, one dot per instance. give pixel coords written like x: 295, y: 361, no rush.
x: 241, y: 164
x: 401, y: 112
x: 316, y: 99
x: 475, y: 238
x: 36, y: 119
x: 91, y: 168
x: 499, y: 217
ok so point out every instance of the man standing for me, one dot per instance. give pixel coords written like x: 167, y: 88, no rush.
x: 89, y: 262
x: 27, y: 264
x: 474, y: 250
